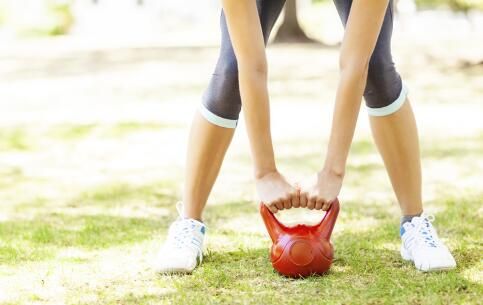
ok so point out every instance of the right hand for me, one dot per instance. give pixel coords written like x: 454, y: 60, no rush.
x: 276, y: 192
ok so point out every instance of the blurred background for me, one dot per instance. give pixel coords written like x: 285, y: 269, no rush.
x: 96, y: 100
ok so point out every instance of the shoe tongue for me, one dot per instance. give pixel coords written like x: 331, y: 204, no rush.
x: 416, y: 220
x: 192, y: 223
x: 408, y: 226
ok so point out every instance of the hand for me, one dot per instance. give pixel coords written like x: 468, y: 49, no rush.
x: 321, y: 191
x: 276, y: 192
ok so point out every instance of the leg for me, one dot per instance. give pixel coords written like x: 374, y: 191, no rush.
x: 394, y: 129
x: 392, y: 120
x: 396, y: 137
x: 207, y: 145
x: 210, y: 136
x: 213, y: 127
x: 395, y: 133
x: 393, y: 124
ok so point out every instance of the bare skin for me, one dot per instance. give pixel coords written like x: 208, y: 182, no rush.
x: 207, y: 146
x: 248, y: 44
x: 396, y: 138
x: 208, y: 142
x: 362, y: 29
x: 395, y: 135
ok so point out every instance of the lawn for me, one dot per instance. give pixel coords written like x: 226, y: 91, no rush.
x: 91, y: 164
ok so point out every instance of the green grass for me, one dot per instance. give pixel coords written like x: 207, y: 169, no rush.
x: 84, y: 207
x: 119, y: 129
x: 119, y: 193
x: 41, y: 238
x: 367, y: 267
x: 15, y: 139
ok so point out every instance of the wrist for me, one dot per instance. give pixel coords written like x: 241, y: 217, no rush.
x: 262, y: 172
x: 333, y: 170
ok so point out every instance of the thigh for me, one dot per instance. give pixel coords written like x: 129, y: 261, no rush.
x: 268, y: 10
x: 383, y: 45
x: 384, y: 84
x: 222, y: 96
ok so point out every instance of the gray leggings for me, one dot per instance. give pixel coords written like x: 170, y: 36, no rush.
x: 384, y: 93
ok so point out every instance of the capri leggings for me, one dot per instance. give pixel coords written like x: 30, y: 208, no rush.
x: 384, y: 93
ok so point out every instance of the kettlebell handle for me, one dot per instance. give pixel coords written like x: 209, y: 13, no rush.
x: 324, y: 228
x: 327, y: 224
x: 274, y: 227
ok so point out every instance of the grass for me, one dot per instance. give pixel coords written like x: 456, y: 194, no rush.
x: 14, y: 139
x: 84, y: 207
x: 367, y: 267
x: 41, y: 239
x: 119, y: 129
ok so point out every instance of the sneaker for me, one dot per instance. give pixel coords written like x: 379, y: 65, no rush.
x: 421, y: 245
x: 183, y: 249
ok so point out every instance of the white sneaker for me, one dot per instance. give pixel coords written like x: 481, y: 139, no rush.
x: 183, y: 249
x: 420, y: 244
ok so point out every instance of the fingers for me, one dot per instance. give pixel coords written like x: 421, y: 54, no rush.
x: 292, y: 200
x: 299, y: 198
x: 272, y: 208
x: 275, y: 206
x: 278, y: 204
x: 304, y: 199
x: 287, y: 201
x: 326, y: 205
x: 282, y: 203
x: 296, y: 199
x: 319, y: 202
x: 311, y: 202
x: 296, y: 196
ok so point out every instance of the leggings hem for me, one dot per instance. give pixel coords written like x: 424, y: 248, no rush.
x: 217, y: 120
x: 391, y: 108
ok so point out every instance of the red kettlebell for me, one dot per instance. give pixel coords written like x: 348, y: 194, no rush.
x: 301, y: 250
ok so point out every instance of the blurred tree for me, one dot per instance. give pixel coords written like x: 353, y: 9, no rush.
x: 37, y: 18
x: 456, y: 5
x: 62, y: 18
x: 290, y: 30
x: 2, y: 15
x: 465, y: 5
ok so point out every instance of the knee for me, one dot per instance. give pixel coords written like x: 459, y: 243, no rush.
x: 385, y: 92
x: 221, y: 103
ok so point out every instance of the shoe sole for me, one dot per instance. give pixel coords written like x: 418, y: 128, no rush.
x: 407, y: 257
x: 174, y: 271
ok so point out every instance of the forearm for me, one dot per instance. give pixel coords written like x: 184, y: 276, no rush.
x: 256, y: 111
x: 348, y: 101
x: 362, y: 30
x: 248, y: 44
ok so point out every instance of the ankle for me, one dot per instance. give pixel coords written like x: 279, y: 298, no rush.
x: 196, y: 217
x: 189, y: 211
x: 409, y: 217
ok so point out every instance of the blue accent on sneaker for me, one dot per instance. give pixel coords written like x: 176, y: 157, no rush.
x: 401, y: 231
x: 203, y: 230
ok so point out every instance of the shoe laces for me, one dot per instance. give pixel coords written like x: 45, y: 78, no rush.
x: 184, y: 233
x: 426, y: 232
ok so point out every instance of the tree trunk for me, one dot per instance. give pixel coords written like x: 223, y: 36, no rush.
x: 290, y: 30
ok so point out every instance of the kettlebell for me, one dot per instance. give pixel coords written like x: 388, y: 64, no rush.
x: 301, y: 250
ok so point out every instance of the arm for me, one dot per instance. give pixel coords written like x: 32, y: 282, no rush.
x: 247, y: 39
x: 360, y: 38
x: 249, y: 46
x: 362, y: 30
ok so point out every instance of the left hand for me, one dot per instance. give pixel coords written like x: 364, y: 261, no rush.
x: 321, y: 191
